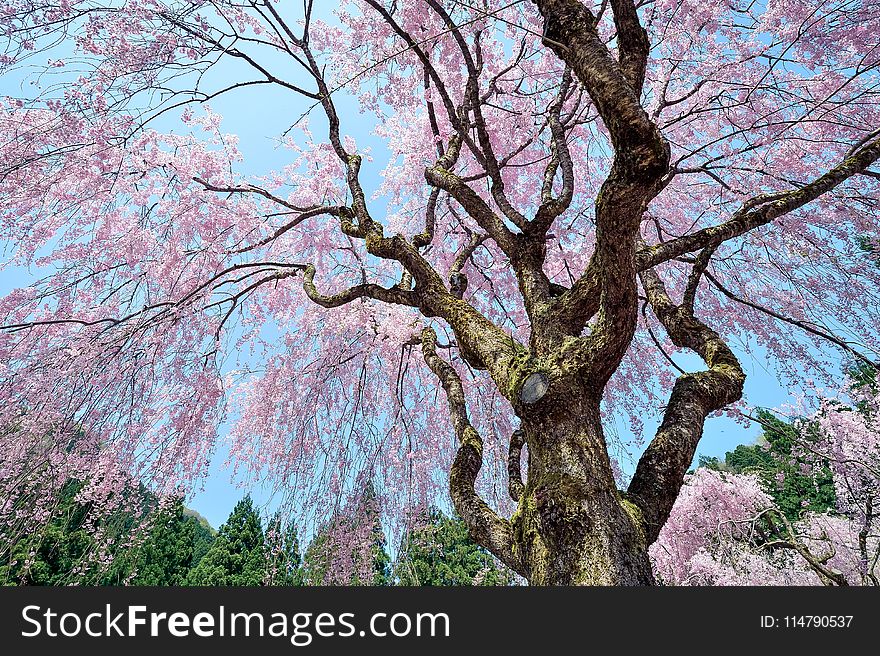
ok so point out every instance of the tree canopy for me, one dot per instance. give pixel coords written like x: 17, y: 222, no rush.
x: 238, y: 554
x: 573, y: 203
x: 805, y: 514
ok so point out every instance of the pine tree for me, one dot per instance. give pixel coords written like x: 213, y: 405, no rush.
x: 238, y: 555
x: 440, y: 552
x: 166, y: 556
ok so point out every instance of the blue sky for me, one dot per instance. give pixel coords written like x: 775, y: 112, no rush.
x: 257, y: 117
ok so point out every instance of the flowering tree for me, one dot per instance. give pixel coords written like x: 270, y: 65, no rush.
x: 350, y: 548
x: 565, y: 182
x: 725, y: 529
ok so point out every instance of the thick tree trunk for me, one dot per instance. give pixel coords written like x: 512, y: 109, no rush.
x: 573, y: 527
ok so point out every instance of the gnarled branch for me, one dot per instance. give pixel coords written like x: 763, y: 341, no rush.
x: 368, y: 290
x: 633, y: 42
x: 484, y: 524
x: 660, y: 472
x: 515, y: 485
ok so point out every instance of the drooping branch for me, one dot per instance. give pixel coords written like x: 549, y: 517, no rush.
x: 803, y: 325
x: 484, y: 524
x: 581, y: 301
x: 660, y: 472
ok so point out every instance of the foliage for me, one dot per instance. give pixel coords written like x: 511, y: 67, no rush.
x: 238, y: 555
x: 52, y: 556
x: 285, y: 562
x: 440, y: 552
x: 176, y: 543
x: 732, y: 528
x: 350, y: 548
x: 65, y: 551
x: 565, y: 192
x: 203, y: 534
x: 795, y: 486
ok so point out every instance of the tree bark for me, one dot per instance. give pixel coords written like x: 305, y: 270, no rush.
x: 573, y: 526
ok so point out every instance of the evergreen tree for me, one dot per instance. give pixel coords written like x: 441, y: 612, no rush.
x: 203, y: 535
x: 351, y: 548
x: 381, y: 571
x: 63, y: 551
x: 440, y: 552
x: 316, y: 560
x: 285, y: 561
x: 795, y: 488
x: 166, y: 555
x: 51, y: 556
x: 238, y: 555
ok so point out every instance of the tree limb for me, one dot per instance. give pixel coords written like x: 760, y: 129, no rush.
x: 794, y: 322
x: 660, y: 472
x: 484, y: 525
x: 761, y: 210
x: 515, y: 485
x: 633, y: 42
x: 393, y: 295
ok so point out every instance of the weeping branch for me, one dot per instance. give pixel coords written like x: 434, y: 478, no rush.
x: 761, y: 210
x: 807, y: 327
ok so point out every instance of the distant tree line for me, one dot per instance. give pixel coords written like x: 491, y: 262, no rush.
x: 181, y: 549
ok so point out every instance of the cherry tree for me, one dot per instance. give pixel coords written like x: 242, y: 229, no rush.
x: 724, y: 528
x: 571, y: 194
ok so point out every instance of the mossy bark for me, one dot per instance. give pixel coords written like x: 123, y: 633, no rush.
x: 573, y: 527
